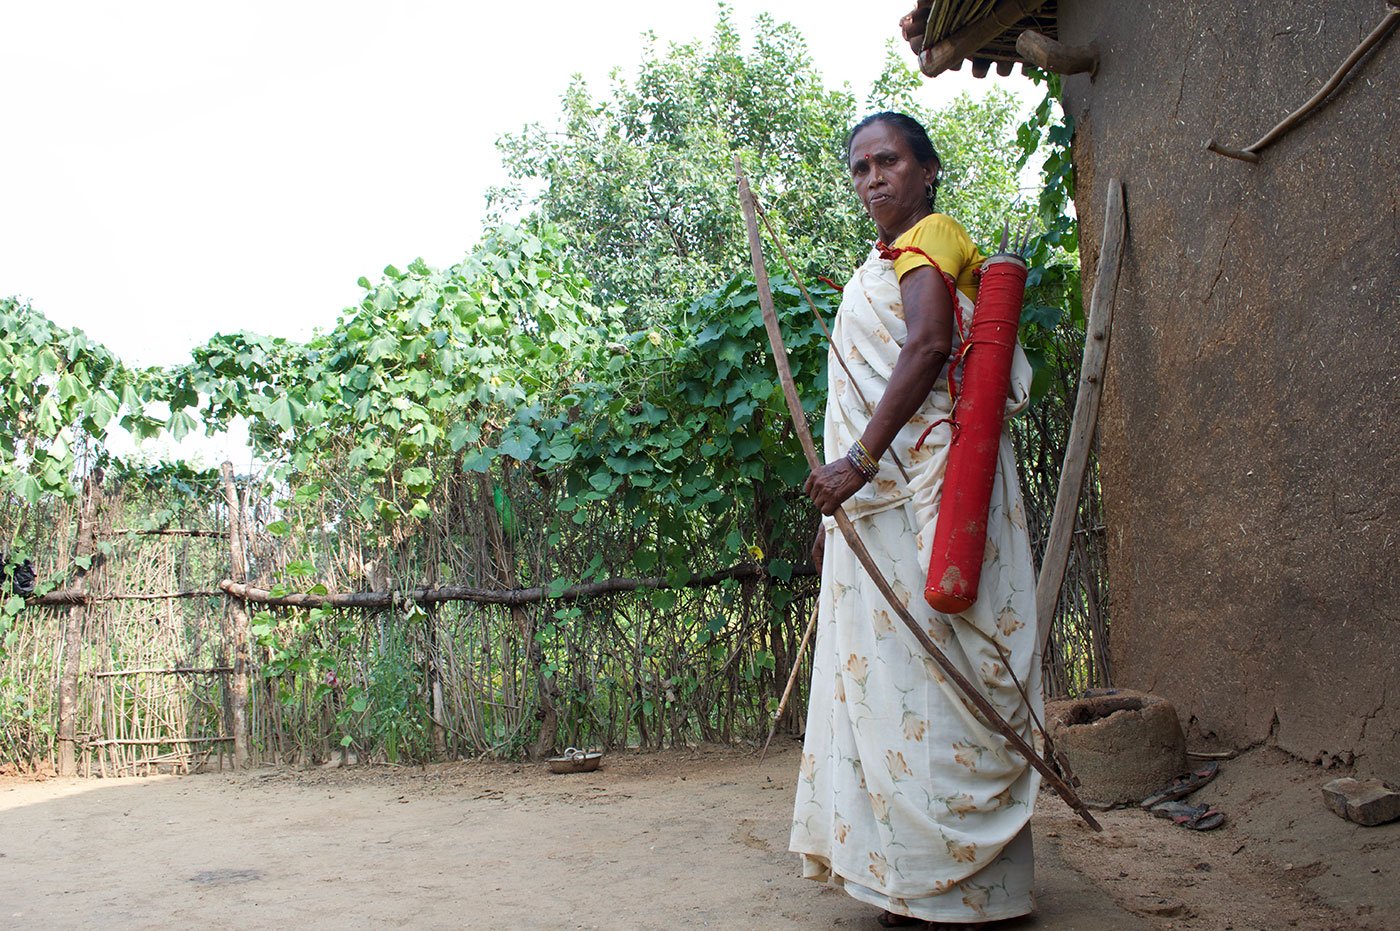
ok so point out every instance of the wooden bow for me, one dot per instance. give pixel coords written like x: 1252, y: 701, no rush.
x: 988, y: 713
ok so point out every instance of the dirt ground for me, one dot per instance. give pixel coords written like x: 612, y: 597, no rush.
x: 676, y: 840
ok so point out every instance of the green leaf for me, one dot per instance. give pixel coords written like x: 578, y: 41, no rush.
x: 300, y: 568
x: 101, y: 408
x: 28, y: 488
x: 48, y: 361
x: 382, y: 347
x: 518, y: 442
x: 181, y: 425
x: 478, y: 460
x: 280, y: 412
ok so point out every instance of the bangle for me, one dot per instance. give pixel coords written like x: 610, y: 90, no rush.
x: 859, y: 457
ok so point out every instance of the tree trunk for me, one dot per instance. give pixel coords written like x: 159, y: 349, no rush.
x: 236, y: 629
x: 85, y: 545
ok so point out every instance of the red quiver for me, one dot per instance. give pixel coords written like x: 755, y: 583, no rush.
x: 960, y: 533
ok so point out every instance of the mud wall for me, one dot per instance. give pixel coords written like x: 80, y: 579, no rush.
x: 1250, y: 432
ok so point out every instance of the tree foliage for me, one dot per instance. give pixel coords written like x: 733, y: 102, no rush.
x: 59, y: 389
x: 1052, y: 318
x: 641, y: 180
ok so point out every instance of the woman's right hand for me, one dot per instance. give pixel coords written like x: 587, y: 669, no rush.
x: 830, y: 485
x: 819, y: 547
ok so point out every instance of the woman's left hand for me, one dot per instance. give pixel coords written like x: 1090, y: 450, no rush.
x: 832, y: 484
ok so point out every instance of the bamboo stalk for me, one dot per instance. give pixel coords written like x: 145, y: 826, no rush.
x: 156, y: 741
x: 507, y: 597
x: 75, y: 596
x: 156, y: 670
x: 792, y: 678
x: 167, y: 532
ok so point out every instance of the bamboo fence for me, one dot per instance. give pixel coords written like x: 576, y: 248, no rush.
x: 176, y: 651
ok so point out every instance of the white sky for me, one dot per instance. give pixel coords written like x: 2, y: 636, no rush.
x: 170, y: 170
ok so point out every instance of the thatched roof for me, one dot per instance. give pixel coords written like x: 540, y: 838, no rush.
x: 984, y: 31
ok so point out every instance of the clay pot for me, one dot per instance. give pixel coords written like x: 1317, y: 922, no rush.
x: 1122, y: 745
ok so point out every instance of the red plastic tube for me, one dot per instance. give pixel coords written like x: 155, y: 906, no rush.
x: 960, y: 533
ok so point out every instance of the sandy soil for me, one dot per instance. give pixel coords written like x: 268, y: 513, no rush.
x: 687, y: 840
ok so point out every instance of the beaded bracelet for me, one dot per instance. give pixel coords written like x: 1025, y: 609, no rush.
x: 859, y: 457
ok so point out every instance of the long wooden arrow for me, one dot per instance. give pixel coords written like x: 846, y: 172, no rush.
x: 989, y: 713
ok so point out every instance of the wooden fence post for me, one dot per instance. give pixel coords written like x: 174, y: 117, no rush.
x: 236, y: 632
x: 85, y: 545
x: 548, y: 688
x: 434, y: 670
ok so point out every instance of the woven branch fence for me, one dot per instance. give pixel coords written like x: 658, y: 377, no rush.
x: 197, y: 638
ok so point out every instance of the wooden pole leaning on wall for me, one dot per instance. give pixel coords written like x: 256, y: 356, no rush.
x: 236, y: 632
x: 1086, y: 416
x: 975, y: 702
x: 85, y: 545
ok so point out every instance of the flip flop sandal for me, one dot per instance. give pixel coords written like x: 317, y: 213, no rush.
x: 1194, y: 817
x: 1182, y: 787
x: 894, y: 920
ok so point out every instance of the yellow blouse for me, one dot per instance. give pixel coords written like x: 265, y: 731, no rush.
x: 948, y: 244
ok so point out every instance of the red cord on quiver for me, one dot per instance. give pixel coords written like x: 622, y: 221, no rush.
x: 960, y: 534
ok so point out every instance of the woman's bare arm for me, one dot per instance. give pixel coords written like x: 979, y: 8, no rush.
x: 928, y: 316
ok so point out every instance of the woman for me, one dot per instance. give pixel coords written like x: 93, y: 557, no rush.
x: 905, y: 799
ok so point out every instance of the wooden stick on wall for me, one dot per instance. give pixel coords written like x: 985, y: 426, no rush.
x: 1086, y: 415
x: 1250, y: 153
x: 1044, y: 52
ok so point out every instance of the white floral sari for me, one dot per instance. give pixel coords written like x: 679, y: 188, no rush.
x: 905, y: 798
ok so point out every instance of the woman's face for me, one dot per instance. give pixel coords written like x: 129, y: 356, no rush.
x: 889, y: 180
